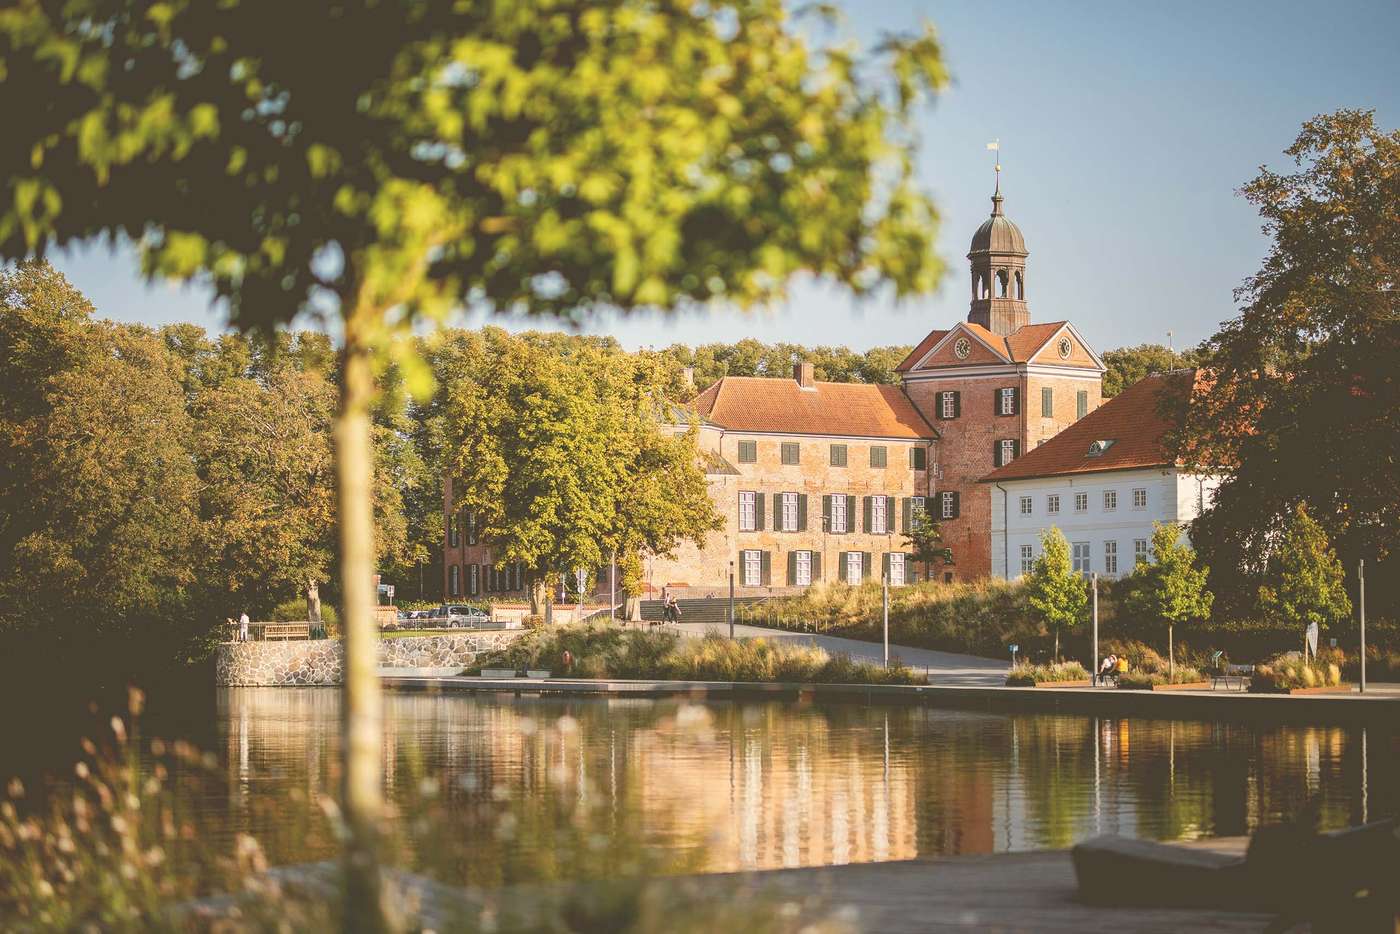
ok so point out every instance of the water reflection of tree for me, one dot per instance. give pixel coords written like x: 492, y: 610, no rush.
x: 775, y: 784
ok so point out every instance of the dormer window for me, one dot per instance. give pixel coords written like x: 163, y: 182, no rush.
x: 1098, y: 448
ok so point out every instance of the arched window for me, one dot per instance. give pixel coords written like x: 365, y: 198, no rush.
x: 1001, y: 283
x: 1020, y: 286
x: 975, y: 279
x: 982, y: 290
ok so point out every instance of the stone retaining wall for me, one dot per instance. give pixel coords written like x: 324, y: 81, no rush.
x: 321, y: 661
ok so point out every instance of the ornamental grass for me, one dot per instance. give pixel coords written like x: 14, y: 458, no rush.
x: 609, y: 652
x: 1026, y: 675
x: 1288, y: 672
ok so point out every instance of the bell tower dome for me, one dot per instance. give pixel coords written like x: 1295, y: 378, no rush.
x: 998, y: 260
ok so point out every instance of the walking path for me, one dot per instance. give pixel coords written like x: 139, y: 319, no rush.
x: 948, y: 668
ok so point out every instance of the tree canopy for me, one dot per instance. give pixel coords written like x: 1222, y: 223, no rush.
x: 1169, y: 587
x: 1127, y: 365
x: 564, y: 458
x: 1053, y: 590
x: 1305, y: 405
x: 1304, y: 582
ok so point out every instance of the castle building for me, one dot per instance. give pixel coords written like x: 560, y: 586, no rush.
x: 820, y: 481
x: 1104, y: 482
x: 995, y: 386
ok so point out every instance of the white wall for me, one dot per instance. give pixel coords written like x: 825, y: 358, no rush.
x: 1171, y: 497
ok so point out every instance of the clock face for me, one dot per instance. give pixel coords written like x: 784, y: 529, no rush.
x: 1066, y: 348
x: 962, y: 348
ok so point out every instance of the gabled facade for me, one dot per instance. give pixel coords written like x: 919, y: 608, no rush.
x: 996, y: 386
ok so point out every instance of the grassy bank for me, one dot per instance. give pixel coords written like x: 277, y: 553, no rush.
x: 606, y: 652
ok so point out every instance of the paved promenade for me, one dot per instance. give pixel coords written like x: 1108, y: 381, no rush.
x: 948, y: 668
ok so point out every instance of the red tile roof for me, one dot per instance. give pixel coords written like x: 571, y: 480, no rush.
x: 861, y: 410
x: 1019, y: 347
x: 1131, y: 420
x: 924, y: 346
x: 1027, y: 341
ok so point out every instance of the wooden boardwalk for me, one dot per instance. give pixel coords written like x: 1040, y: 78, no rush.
x: 1000, y: 892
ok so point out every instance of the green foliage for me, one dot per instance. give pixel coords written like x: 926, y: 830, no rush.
x: 1026, y: 675
x: 751, y: 357
x: 1305, y: 407
x: 608, y: 652
x: 294, y: 611
x: 158, y: 481
x: 1304, y: 581
x: 1054, y: 591
x: 1127, y: 365
x: 980, y: 618
x: 1169, y: 588
x: 925, y: 540
x: 564, y: 457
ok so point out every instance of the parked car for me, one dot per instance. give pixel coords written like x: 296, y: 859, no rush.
x: 462, y: 616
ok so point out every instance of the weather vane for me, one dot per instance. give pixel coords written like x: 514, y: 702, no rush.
x: 995, y: 146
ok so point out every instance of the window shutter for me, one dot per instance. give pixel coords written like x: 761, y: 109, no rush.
x: 840, y: 566
x: 766, y: 568
x: 957, y: 505
x: 938, y: 405
x: 866, y: 509
x: 1015, y: 448
x: 758, y: 501
x: 851, y: 513
x: 865, y: 565
x: 957, y: 404
x: 816, y: 566
x: 885, y: 566
x: 996, y: 453
x: 891, y: 514
x: 996, y: 401
x: 801, y: 512
x: 908, y: 514
x: 792, y: 568
x: 778, y: 512
x: 826, y: 512
x: 1016, y: 401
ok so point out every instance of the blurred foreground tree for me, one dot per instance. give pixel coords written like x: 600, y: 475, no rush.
x: 546, y: 159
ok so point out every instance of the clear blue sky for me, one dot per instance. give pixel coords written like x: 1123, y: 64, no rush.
x: 1126, y: 129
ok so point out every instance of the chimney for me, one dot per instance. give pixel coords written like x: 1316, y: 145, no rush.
x: 805, y: 374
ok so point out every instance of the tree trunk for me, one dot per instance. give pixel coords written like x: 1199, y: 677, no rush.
x: 313, y: 601
x: 1057, y: 646
x: 362, y: 790
x: 539, y: 594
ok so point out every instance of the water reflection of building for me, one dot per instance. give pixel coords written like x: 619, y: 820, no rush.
x: 772, y: 784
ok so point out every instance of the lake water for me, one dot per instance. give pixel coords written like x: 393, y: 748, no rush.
x: 537, y: 787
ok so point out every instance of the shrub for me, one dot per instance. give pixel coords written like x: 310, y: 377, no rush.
x: 532, y: 621
x: 606, y: 652
x: 1287, y: 672
x: 1024, y: 675
x: 1142, y: 680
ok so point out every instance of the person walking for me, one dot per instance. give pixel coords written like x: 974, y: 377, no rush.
x: 243, y: 627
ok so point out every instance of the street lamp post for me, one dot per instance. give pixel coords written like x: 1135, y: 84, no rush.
x: 731, y: 598
x: 1361, y: 581
x: 1094, y: 584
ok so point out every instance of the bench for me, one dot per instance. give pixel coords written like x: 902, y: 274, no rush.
x: 286, y: 631
x: 498, y: 672
x: 537, y: 674
x: 1225, y: 674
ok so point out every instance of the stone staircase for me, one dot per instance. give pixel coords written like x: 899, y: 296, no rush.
x: 713, y: 610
